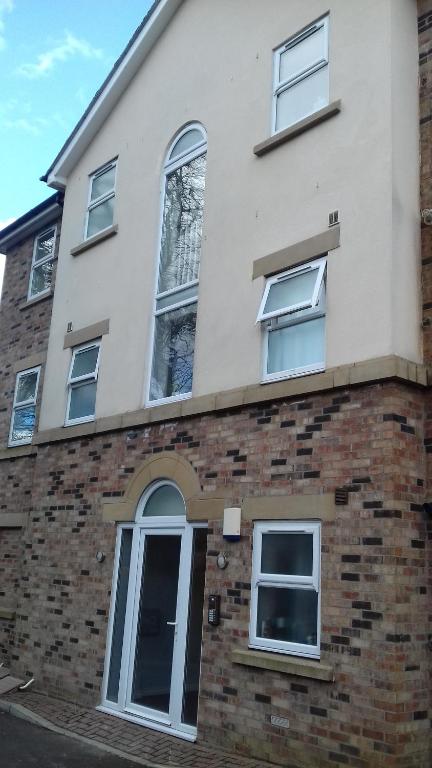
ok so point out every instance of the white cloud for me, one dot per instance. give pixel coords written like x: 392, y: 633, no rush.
x: 33, y: 126
x: 6, y: 222
x: 66, y: 49
x: 6, y: 6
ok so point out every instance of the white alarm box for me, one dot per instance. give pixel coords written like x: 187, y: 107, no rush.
x: 231, y: 523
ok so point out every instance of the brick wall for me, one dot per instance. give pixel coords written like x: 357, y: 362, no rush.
x: 24, y: 331
x: 375, y: 581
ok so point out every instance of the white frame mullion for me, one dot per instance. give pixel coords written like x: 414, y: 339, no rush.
x: 319, y: 266
x: 91, y: 204
x: 281, y: 581
x: 78, y: 381
x: 279, y: 86
x: 40, y: 262
x: 114, y: 585
x: 18, y: 406
x: 169, y: 167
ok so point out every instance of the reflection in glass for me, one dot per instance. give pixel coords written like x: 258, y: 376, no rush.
x: 41, y: 278
x: 287, y: 614
x: 100, y: 217
x: 119, y: 614
x: 165, y: 500
x: 182, y: 225
x: 103, y: 183
x: 23, y: 424
x: 82, y: 401
x: 26, y: 389
x: 44, y: 246
x: 287, y: 553
x: 194, y: 631
x: 85, y: 362
x: 294, y: 290
x: 187, y: 141
x: 151, y: 684
x: 173, y: 353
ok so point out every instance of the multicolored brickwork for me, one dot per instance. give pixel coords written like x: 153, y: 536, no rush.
x: 24, y: 330
x: 375, y: 622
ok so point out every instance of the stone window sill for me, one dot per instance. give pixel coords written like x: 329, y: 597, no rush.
x: 295, y: 130
x: 95, y: 240
x: 7, y: 613
x: 36, y: 300
x: 287, y: 665
x: 14, y: 452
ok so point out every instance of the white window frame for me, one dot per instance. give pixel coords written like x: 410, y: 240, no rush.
x: 294, y: 314
x: 91, y: 204
x: 285, y: 581
x: 35, y: 264
x: 23, y: 404
x: 77, y: 381
x: 171, y: 165
x: 279, y: 86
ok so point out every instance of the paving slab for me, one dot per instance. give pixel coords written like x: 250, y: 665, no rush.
x: 25, y: 745
x: 129, y: 740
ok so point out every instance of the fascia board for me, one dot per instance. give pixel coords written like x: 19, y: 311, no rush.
x: 121, y: 77
x: 36, y: 224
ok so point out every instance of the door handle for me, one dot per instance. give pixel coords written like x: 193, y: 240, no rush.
x: 172, y: 623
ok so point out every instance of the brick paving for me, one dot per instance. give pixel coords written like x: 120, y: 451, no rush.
x: 152, y: 746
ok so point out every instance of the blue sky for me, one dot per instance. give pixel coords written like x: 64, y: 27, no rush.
x: 54, y: 54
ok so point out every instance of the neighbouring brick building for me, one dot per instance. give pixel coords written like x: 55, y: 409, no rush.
x: 288, y: 390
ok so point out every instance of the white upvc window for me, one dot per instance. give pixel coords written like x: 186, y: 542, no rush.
x: 176, y: 298
x: 301, y: 76
x: 292, y: 314
x: 42, y: 263
x: 285, y: 597
x: 24, y: 407
x: 82, y: 382
x: 100, y: 208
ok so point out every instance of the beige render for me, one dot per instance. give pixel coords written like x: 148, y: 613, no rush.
x: 213, y: 64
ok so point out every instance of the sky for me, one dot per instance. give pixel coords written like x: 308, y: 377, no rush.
x: 54, y: 55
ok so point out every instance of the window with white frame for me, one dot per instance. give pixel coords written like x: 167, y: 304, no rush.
x: 42, y: 263
x: 82, y: 383
x: 24, y: 407
x: 301, y: 76
x: 292, y: 314
x: 100, y: 210
x: 179, y: 262
x: 285, y: 599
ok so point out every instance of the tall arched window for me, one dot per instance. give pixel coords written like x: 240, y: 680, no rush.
x: 179, y: 261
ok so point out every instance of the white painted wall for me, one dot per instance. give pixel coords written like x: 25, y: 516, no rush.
x: 214, y: 64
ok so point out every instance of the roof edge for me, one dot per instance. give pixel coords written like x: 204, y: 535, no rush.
x: 126, y: 66
x: 31, y: 221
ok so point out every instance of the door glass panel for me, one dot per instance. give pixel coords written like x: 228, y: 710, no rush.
x: 165, y: 500
x: 194, y: 630
x: 119, y: 614
x: 151, y: 684
x: 287, y: 614
x: 288, y: 553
